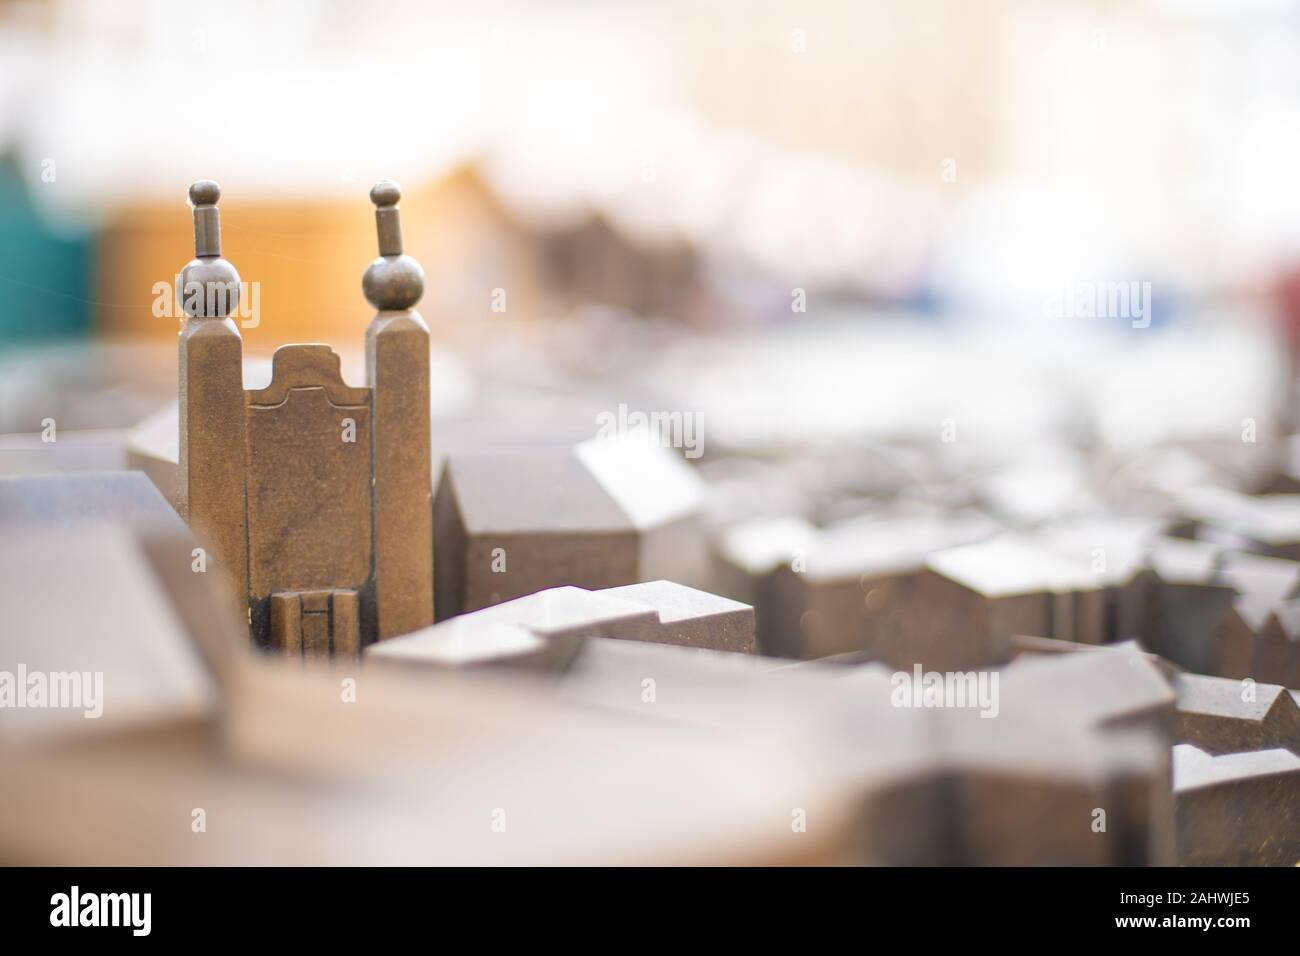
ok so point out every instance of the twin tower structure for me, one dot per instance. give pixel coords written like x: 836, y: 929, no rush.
x: 312, y: 496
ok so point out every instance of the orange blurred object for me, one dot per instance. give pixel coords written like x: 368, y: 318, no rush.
x: 308, y: 259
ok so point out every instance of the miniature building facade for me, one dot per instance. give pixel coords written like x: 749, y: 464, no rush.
x: 313, y: 497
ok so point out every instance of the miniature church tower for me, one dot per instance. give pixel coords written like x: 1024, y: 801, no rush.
x: 313, y: 497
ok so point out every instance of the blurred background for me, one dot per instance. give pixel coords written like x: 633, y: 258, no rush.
x: 805, y: 221
x: 920, y: 273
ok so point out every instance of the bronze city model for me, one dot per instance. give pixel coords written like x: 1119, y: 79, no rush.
x: 313, y: 496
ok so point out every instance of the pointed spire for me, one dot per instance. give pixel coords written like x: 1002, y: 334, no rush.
x: 385, y: 194
x: 394, y: 281
x: 208, y: 287
x: 207, y: 218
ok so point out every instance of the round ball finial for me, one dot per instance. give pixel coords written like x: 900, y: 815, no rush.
x: 208, y: 288
x: 205, y: 192
x: 393, y: 283
x: 385, y: 193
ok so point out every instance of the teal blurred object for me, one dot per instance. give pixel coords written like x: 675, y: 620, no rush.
x: 44, y: 275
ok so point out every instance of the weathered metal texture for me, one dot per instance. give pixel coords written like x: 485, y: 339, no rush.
x: 1237, y: 809
x: 309, y: 515
x: 210, y: 475
x: 397, y: 371
x: 316, y: 624
x: 1220, y: 715
x: 315, y: 497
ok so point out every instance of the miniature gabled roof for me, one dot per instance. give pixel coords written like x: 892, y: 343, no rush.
x: 602, y: 485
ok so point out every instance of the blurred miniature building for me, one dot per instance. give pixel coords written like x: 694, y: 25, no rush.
x: 595, y: 263
x: 604, y: 513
